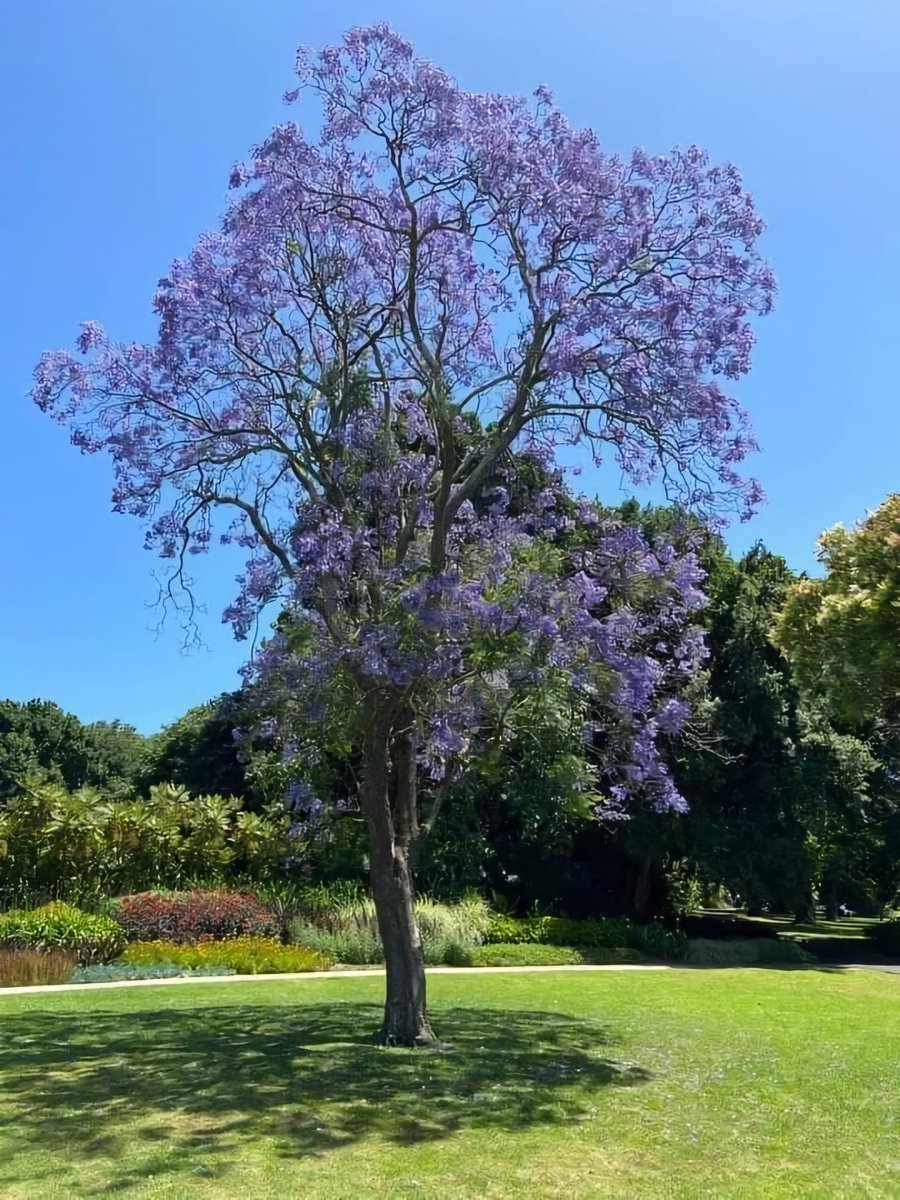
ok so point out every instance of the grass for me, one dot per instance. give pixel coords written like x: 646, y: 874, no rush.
x: 785, y: 926
x: 851, y: 928
x: 685, y: 1083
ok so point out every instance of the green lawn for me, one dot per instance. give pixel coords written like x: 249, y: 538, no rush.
x: 686, y: 1083
x: 852, y: 929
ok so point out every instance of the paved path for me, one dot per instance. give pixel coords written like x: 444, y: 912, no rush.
x: 352, y: 974
x: 367, y: 972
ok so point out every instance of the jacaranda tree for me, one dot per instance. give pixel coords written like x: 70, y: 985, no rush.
x: 397, y: 312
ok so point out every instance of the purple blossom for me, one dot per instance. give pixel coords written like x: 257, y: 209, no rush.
x: 92, y: 335
x: 372, y: 442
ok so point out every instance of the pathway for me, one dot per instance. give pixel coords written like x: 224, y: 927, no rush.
x: 339, y: 974
x: 366, y: 972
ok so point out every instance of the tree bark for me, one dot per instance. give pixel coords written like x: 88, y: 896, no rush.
x: 642, y: 888
x: 388, y: 799
x: 830, y: 898
x: 805, y: 911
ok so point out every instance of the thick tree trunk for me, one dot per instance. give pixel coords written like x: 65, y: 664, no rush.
x: 389, y: 804
x: 805, y: 911
x: 405, y: 1014
x: 830, y: 898
x: 642, y: 888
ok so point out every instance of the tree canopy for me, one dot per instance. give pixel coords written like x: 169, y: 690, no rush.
x: 842, y: 632
x: 39, y: 740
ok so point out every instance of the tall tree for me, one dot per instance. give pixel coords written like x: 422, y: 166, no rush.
x: 458, y: 254
x: 115, y: 753
x: 743, y: 784
x: 842, y: 632
x: 37, y: 738
x: 841, y: 635
x: 200, y: 751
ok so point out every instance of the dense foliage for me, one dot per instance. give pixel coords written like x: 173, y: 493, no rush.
x: 789, y: 801
x: 199, y: 752
x: 886, y: 937
x: 81, y: 844
x: 743, y: 952
x: 190, y: 916
x: 40, y: 741
x: 87, y: 937
x: 842, y: 632
x: 243, y: 955
x: 535, y: 954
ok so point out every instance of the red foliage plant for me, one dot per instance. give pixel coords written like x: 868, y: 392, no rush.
x: 190, y: 916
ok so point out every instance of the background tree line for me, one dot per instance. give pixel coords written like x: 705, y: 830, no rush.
x: 789, y: 765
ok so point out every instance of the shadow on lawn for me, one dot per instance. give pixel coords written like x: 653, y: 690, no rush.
x: 207, y: 1082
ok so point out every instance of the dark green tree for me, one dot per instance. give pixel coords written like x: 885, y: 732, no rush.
x: 742, y: 777
x: 39, y: 739
x: 115, y: 754
x: 201, y: 750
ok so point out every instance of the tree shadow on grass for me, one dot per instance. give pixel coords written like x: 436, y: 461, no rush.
x: 187, y: 1090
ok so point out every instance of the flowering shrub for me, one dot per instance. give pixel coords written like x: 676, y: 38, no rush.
x: 85, y: 937
x: 21, y: 968
x: 242, y: 955
x: 189, y: 916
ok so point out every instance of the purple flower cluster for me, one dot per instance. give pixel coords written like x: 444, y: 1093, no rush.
x: 543, y: 594
x: 393, y: 313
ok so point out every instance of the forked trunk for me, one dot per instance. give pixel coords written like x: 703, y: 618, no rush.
x: 389, y: 804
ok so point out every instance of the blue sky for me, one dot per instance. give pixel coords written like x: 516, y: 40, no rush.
x: 121, y: 121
